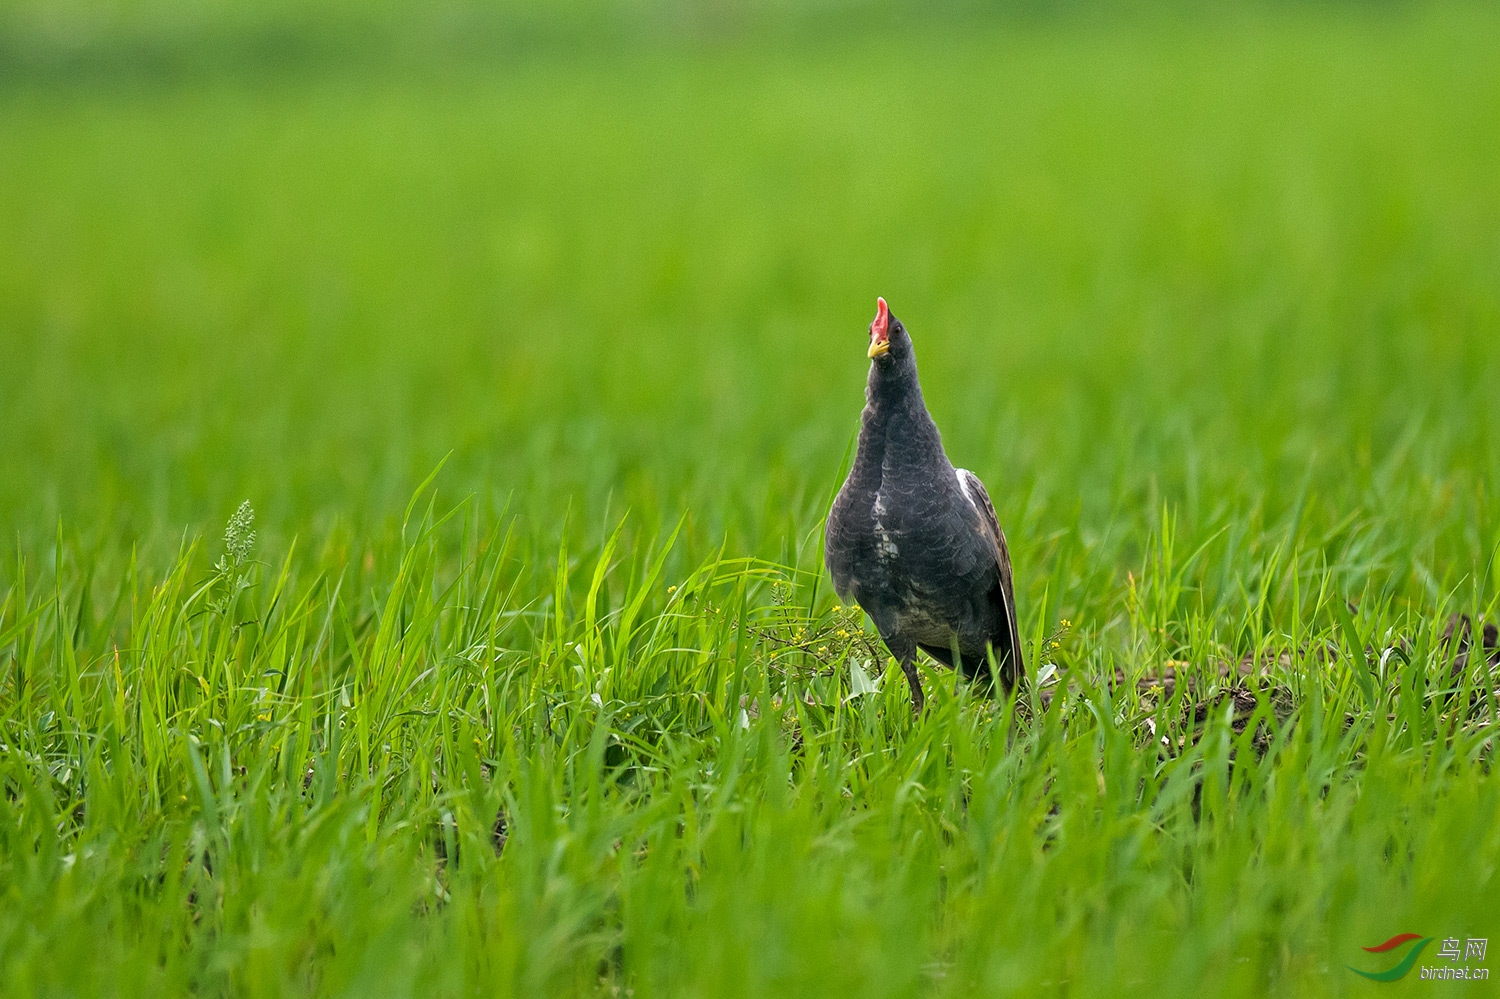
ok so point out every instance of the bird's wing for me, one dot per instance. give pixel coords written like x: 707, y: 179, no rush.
x: 976, y: 494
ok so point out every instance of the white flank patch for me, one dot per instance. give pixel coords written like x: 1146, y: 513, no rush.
x: 964, y: 487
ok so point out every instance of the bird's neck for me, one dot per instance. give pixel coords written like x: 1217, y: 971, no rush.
x: 894, y: 385
x: 895, y: 428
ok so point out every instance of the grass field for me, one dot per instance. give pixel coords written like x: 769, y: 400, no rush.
x: 539, y: 368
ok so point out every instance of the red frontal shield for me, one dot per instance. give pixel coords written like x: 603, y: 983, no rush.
x: 880, y: 329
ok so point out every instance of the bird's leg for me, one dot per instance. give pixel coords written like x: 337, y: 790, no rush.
x: 904, y: 651
x: 909, y: 667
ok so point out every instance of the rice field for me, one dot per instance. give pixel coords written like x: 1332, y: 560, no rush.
x: 415, y: 436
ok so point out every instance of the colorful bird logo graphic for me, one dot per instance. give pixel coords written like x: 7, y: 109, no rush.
x: 1401, y: 967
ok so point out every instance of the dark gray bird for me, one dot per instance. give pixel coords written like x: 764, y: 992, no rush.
x: 915, y: 541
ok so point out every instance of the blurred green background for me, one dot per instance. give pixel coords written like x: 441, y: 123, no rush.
x: 620, y: 254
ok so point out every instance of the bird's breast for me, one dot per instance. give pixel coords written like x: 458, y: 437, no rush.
x: 886, y: 548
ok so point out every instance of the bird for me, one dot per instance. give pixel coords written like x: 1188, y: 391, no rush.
x: 914, y: 541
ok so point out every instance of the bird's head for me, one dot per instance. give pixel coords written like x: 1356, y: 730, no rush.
x: 889, y: 341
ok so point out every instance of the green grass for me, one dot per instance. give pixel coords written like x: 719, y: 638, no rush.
x: 1213, y: 308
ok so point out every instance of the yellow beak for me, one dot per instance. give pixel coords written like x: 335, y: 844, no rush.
x: 879, y: 348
